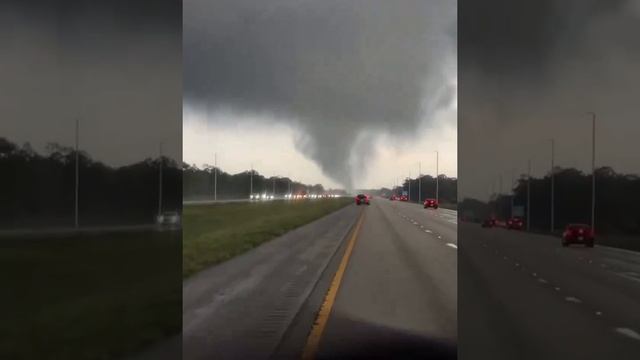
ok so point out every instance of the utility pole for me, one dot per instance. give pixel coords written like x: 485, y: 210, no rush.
x: 512, y: 192
x: 409, y: 186
x: 77, y: 172
x: 437, y: 178
x: 215, y: 177
x: 251, y: 182
x: 160, y: 183
x: 419, y: 182
x: 529, y: 196
x: 499, y: 202
x: 593, y: 172
x: 494, y: 197
x: 553, y: 170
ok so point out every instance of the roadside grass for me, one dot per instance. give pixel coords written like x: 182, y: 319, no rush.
x: 89, y: 296
x: 215, y: 233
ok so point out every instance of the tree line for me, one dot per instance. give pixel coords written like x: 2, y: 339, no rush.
x: 617, y: 201
x: 199, y: 184
x: 426, y: 188
x: 38, y: 190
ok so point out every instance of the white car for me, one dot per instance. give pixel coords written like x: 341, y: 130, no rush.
x: 168, y: 218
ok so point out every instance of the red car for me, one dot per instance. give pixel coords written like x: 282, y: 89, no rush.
x: 489, y: 223
x: 515, y: 223
x: 404, y: 198
x: 430, y: 203
x: 362, y: 199
x: 393, y: 197
x: 578, y: 234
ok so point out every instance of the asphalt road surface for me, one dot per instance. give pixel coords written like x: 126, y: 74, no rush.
x: 400, y: 284
x: 241, y: 308
x: 523, y: 296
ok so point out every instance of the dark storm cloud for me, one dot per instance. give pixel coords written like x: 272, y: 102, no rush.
x: 530, y: 71
x: 331, y: 68
x: 115, y: 65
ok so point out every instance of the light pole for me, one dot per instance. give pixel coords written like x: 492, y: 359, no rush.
x: 593, y: 172
x: 409, y: 179
x: 77, y: 172
x: 251, y: 182
x: 512, y: 191
x: 493, y: 189
x: 529, y: 196
x: 160, y: 182
x: 215, y: 177
x: 499, y: 202
x: 437, y: 177
x: 419, y: 182
x: 553, y: 170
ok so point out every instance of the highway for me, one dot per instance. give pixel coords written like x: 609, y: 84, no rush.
x: 240, y: 309
x: 523, y: 296
x: 399, y: 284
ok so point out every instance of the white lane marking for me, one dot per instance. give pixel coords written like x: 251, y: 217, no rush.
x: 534, y: 274
x: 556, y: 288
x: 428, y: 231
x: 628, y: 332
x: 629, y: 276
x: 573, y: 299
x: 598, y: 313
x: 452, y: 245
x: 542, y: 280
x: 439, y: 237
x: 517, y: 264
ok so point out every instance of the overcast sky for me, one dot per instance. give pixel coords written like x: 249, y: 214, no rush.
x: 530, y: 71
x: 115, y: 65
x: 343, y: 93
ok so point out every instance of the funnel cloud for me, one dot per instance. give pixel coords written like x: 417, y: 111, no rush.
x: 342, y: 73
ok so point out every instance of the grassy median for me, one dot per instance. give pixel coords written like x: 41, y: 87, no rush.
x: 89, y: 296
x: 215, y: 233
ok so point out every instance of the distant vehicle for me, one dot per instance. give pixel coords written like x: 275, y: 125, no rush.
x: 515, y: 223
x: 404, y: 198
x: 488, y: 223
x: 168, y: 218
x: 430, y: 203
x: 362, y: 199
x: 578, y: 234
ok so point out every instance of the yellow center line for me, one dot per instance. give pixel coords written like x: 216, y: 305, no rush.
x: 313, y: 341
